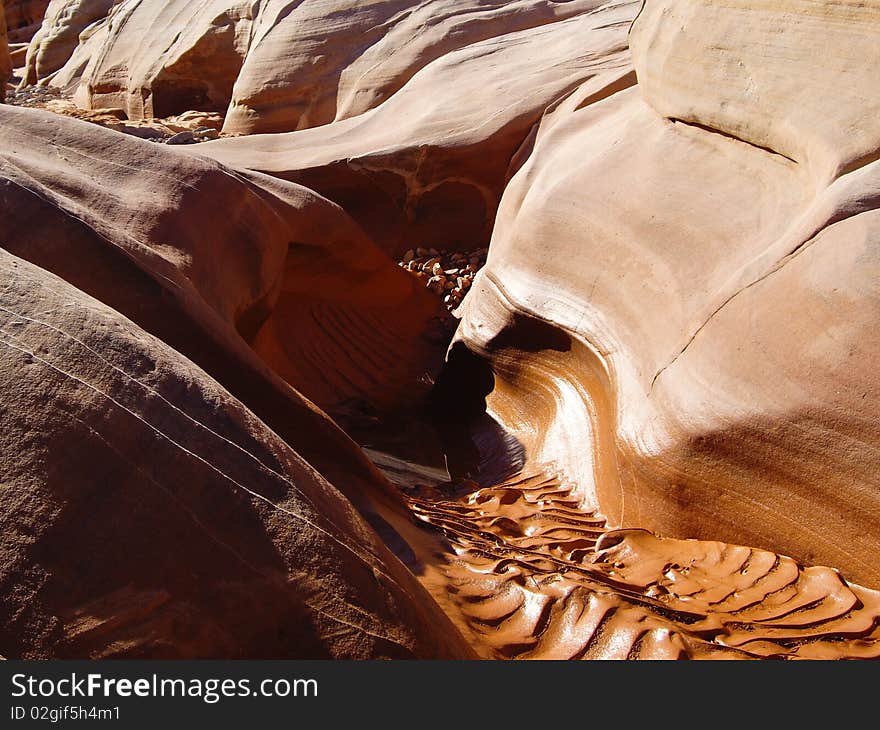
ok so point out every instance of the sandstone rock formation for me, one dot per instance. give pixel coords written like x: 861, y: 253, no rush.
x: 17, y: 55
x: 132, y: 236
x: 430, y: 164
x: 339, y: 69
x: 205, y: 535
x: 431, y: 30
x: 653, y: 435
x: 163, y: 59
x: 275, y: 66
x: 530, y: 574
x: 5, y: 60
x: 23, y: 18
x: 290, y: 258
x: 78, y: 53
x: 60, y: 34
x: 710, y: 238
x: 404, y: 177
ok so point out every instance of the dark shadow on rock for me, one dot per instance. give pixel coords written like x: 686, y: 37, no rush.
x: 475, y: 445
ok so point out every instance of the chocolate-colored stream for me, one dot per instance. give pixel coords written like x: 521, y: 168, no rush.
x: 504, y: 544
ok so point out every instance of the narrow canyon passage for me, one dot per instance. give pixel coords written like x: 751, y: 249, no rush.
x: 504, y: 538
x: 517, y: 330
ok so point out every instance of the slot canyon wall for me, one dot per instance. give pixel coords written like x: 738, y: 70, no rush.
x: 5, y: 60
x: 673, y: 336
x: 711, y: 235
x: 125, y: 370
x: 23, y: 18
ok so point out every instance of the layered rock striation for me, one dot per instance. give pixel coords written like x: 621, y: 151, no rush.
x: 653, y: 435
x: 66, y: 24
x: 711, y: 237
x: 131, y: 440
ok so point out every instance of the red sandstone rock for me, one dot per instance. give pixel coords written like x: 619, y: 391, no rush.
x: 23, y: 18
x: 257, y: 484
x: 675, y: 330
x: 5, y: 60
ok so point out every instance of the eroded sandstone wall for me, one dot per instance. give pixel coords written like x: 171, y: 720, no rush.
x: 273, y: 66
x: 59, y: 35
x: 712, y: 236
x: 428, y: 166
x: 23, y: 18
x: 5, y: 60
x: 134, y: 280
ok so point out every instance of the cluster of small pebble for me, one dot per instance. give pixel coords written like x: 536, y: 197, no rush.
x: 449, y: 274
x: 189, y: 127
x: 32, y: 96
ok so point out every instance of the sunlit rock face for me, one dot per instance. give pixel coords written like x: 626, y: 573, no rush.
x: 711, y: 235
x: 462, y: 328
x: 429, y: 165
x: 66, y: 24
x: 441, y: 94
x: 324, y: 61
x: 277, y: 67
x: 127, y: 312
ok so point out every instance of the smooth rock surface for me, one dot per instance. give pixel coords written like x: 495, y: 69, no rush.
x: 721, y: 274
x: 59, y: 35
x: 288, y: 255
x: 323, y: 61
x: 161, y: 59
x: 259, y: 480
x: 203, y: 533
x: 655, y: 434
x: 278, y: 67
x: 818, y: 108
x: 429, y: 165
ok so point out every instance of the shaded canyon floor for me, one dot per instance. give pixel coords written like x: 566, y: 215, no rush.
x: 504, y: 544
x: 526, y: 573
